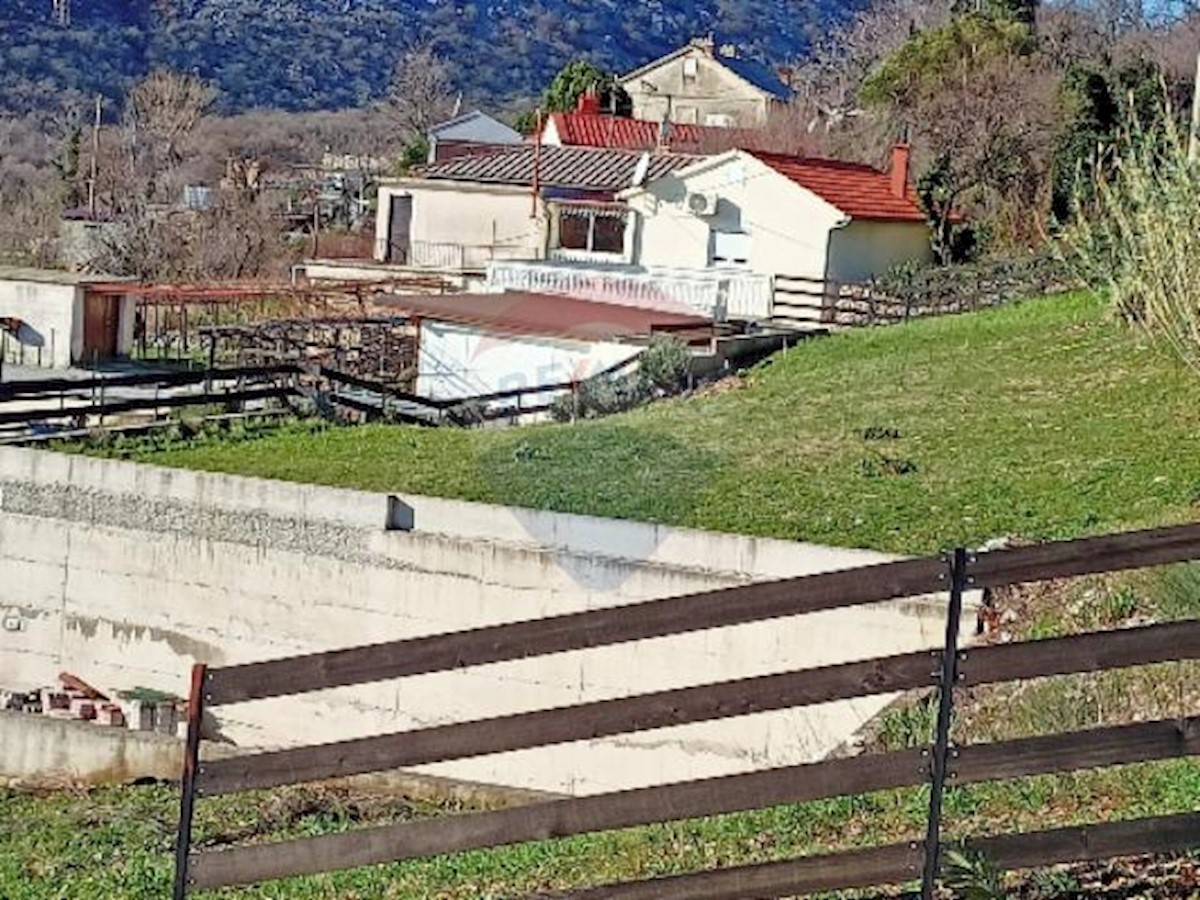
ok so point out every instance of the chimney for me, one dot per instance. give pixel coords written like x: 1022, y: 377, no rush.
x: 589, y: 103
x: 785, y: 74
x: 707, y: 44
x: 729, y: 51
x: 899, y: 170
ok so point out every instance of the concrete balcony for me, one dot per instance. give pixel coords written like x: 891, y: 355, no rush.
x: 719, y: 294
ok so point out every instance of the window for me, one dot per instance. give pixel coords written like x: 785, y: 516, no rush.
x: 719, y: 120
x: 596, y: 229
x: 608, y: 234
x: 730, y: 248
x: 574, y: 231
x: 691, y: 70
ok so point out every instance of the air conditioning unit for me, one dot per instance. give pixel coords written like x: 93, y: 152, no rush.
x: 702, y: 204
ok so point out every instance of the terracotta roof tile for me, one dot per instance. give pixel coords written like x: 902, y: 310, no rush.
x: 861, y: 192
x: 583, y: 129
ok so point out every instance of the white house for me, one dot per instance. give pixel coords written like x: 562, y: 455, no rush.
x: 52, y: 319
x: 705, y: 84
x: 530, y: 202
x: 776, y: 215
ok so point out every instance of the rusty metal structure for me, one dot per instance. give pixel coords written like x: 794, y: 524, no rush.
x: 382, y: 349
x: 247, y: 323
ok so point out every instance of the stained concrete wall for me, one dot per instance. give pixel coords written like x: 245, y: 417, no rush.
x: 39, y: 748
x: 125, y: 574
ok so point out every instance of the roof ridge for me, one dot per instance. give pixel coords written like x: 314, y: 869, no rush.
x: 825, y: 161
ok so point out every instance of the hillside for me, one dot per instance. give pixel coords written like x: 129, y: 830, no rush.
x: 1046, y: 420
x: 324, y: 54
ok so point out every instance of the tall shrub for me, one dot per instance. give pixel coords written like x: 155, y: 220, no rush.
x: 1135, y: 237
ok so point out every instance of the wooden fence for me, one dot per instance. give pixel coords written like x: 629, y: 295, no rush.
x: 812, y: 303
x: 942, y: 669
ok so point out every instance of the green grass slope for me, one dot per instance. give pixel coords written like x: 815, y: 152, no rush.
x: 1046, y: 420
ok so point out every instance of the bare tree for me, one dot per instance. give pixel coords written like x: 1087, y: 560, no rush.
x: 165, y: 107
x: 421, y: 92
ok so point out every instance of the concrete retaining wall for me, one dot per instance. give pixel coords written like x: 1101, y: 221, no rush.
x: 125, y: 574
x: 36, y: 747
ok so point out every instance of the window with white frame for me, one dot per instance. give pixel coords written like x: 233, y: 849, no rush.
x: 729, y: 248
x: 592, y: 229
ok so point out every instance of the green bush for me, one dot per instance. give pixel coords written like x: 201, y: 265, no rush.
x: 927, y: 289
x: 661, y: 371
x: 665, y: 363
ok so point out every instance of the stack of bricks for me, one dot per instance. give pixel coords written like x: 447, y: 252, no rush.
x: 78, y: 702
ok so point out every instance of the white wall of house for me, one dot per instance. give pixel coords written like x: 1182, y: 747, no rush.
x: 456, y: 224
x: 463, y: 360
x: 787, y: 228
x: 671, y: 91
x: 864, y: 249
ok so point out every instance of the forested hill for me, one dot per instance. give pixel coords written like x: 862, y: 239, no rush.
x: 323, y: 54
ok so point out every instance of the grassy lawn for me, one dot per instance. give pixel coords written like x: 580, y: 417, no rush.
x: 116, y: 843
x: 1046, y: 419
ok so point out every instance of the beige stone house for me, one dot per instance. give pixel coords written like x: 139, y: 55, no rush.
x: 705, y: 84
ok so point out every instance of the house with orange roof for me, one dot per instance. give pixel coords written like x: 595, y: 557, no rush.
x: 829, y: 221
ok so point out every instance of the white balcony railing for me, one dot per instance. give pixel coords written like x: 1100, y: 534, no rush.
x: 719, y: 294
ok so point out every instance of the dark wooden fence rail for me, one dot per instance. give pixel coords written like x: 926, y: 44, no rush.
x: 941, y: 668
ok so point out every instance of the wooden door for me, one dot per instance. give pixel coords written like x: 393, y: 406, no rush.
x: 399, y: 229
x: 101, y: 323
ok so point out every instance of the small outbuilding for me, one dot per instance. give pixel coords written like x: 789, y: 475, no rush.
x: 473, y: 344
x: 53, y: 319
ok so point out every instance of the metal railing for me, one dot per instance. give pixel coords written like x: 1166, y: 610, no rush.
x: 720, y: 294
x: 449, y: 256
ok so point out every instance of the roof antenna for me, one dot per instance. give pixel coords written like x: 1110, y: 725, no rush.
x: 457, y: 106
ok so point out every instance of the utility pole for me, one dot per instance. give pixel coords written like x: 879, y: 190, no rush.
x: 1194, y: 134
x: 537, y: 166
x: 95, y: 160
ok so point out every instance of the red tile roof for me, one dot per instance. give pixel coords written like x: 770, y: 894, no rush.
x: 584, y: 129
x: 861, y: 192
x: 551, y: 315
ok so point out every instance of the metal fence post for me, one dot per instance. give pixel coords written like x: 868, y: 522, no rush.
x: 947, y: 676
x: 191, y: 761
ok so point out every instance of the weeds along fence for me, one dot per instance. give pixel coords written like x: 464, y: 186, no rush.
x: 942, y: 669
